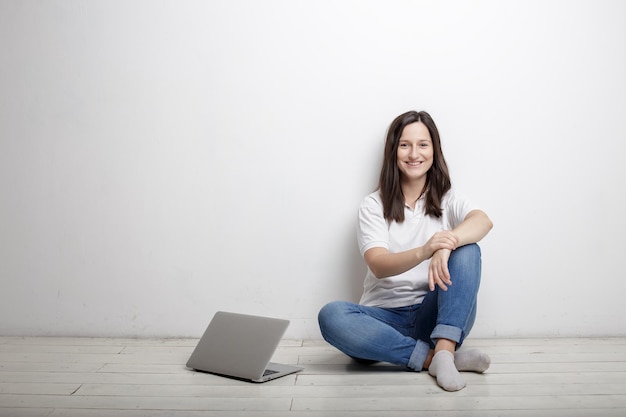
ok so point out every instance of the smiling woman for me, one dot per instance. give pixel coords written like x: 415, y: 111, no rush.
x: 415, y: 157
x: 397, y: 187
x: 417, y: 238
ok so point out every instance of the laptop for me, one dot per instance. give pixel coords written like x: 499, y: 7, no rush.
x: 240, y: 346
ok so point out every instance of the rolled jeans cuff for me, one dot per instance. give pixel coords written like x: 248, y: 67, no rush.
x: 418, y: 357
x: 443, y: 331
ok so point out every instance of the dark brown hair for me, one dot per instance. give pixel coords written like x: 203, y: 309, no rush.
x: 437, y: 179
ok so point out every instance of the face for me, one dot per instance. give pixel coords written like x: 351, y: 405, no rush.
x: 415, y: 152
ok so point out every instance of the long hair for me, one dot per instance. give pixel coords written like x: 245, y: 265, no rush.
x: 437, y: 179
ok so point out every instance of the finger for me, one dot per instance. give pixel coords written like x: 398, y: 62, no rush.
x: 431, y: 280
x: 439, y: 281
x: 444, y: 274
x: 446, y: 244
x: 452, y: 239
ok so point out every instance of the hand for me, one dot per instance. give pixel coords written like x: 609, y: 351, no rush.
x: 446, y: 239
x: 438, y: 273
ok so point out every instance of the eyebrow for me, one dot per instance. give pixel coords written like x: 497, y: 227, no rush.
x: 418, y: 140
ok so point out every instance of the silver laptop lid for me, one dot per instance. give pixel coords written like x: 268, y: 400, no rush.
x: 238, y: 345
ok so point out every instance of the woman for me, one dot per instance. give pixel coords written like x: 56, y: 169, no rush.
x: 418, y: 240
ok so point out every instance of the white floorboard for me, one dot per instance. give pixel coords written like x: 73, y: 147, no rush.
x: 108, y: 377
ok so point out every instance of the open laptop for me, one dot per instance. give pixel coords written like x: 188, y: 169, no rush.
x: 241, y: 346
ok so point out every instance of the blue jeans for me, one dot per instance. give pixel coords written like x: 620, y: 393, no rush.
x: 404, y: 335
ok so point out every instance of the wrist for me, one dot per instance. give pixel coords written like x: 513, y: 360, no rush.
x: 419, y: 254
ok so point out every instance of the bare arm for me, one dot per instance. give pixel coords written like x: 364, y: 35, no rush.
x: 384, y: 264
x: 471, y: 230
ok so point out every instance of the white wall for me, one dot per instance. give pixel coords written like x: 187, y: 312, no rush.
x: 161, y: 160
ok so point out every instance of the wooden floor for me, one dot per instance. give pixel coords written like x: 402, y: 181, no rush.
x: 80, y: 377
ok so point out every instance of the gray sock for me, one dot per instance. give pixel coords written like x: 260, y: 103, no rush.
x: 471, y: 360
x: 442, y: 367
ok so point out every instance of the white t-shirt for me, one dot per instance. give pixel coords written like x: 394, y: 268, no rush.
x: 410, y: 287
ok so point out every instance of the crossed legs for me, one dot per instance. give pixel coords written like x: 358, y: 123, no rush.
x: 423, y: 336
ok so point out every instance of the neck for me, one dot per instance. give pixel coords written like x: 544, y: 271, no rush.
x: 412, y: 191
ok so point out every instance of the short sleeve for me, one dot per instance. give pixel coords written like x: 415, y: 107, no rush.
x: 372, y: 230
x: 456, y: 208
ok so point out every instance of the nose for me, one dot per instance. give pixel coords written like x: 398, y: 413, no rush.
x: 413, y: 154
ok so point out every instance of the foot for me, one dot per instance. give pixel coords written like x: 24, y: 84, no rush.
x: 443, y: 368
x: 471, y: 360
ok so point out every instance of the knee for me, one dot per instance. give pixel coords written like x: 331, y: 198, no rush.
x: 330, y: 315
x: 466, y: 262
x: 329, y: 311
x: 467, y: 253
x: 471, y: 249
